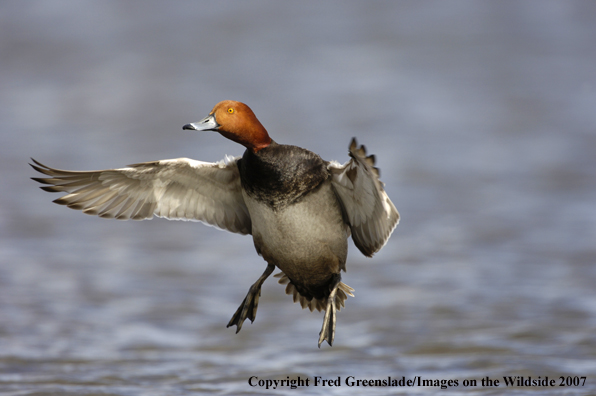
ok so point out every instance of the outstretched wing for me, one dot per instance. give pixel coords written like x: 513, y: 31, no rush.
x: 180, y: 188
x: 368, y: 210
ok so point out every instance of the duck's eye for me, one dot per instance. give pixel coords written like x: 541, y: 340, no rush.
x: 230, y: 110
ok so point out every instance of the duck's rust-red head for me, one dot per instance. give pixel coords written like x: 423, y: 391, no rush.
x: 235, y: 121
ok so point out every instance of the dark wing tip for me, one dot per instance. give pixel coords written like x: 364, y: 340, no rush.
x: 50, y: 188
x: 36, y: 162
x: 360, y: 152
x: 60, y: 201
x: 41, y: 168
x: 353, y: 144
x: 40, y: 180
x: 355, y: 150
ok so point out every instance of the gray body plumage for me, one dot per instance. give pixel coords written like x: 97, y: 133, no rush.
x: 306, y: 240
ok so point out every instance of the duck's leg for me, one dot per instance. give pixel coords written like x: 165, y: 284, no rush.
x: 248, y: 308
x: 328, y: 330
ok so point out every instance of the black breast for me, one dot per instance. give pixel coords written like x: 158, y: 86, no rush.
x: 279, y: 175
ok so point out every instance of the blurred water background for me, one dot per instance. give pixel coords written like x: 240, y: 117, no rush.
x: 482, y: 116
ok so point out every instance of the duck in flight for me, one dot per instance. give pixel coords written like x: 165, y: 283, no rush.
x: 299, y: 208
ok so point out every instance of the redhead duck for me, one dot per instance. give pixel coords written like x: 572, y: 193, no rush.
x: 299, y: 209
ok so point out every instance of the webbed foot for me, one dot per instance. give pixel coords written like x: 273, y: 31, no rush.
x: 248, y: 308
x: 328, y: 330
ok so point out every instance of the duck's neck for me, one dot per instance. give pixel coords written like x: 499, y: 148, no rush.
x: 251, y: 135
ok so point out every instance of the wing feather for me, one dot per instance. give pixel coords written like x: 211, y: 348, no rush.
x: 371, y: 215
x: 180, y: 188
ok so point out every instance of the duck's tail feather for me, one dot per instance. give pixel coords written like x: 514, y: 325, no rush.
x: 343, y: 292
